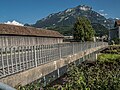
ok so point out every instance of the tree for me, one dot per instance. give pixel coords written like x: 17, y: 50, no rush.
x: 83, y: 30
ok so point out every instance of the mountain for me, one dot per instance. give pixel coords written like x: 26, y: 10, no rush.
x: 63, y: 21
x: 100, y: 29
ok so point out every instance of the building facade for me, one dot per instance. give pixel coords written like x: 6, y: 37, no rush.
x: 115, y: 33
x: 11, y: 35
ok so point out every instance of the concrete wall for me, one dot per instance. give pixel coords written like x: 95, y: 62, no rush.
x: 33, y: 74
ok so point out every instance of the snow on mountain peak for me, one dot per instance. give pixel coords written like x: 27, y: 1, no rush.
x: 117, y: 18
x: 14, y: 23
x: 69, y: 10
x: 84, y: 7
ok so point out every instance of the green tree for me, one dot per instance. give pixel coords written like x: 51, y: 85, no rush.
x: 83, y: 30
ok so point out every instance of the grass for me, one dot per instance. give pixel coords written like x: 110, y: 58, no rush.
x: 108, y: 57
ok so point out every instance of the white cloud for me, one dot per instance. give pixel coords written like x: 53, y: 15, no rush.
x: 14, y: 23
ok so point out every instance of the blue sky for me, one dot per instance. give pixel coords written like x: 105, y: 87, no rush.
x: 29, y: 11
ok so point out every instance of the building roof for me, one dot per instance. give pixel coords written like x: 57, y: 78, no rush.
x: 6, y: 29
x: 117, y: 23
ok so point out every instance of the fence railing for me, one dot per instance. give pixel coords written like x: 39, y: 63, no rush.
x: 16, y: 59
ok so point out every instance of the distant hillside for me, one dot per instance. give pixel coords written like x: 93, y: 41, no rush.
x: 63, y: 21
x: 100, y: 30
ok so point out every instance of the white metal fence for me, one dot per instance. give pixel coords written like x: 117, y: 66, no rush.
x: 16, y: 59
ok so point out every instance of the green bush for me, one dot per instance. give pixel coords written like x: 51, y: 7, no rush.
x: 116, y: 40
x: 104, y: 75
x: 108, y: 58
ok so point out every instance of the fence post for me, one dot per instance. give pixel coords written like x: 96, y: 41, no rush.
x: 94, y: 45
x: 26, y: 50
x: 59, y: 48
x: 23, y: 60
x: 35, y: 59
x: 7, y: 59
x: 19, y: 58
x: 73, y: 48
x: 44, y: 79
x: 3, y: 67
x: 15, y: 59
x: 58, y: 72
x: 11, y: 57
